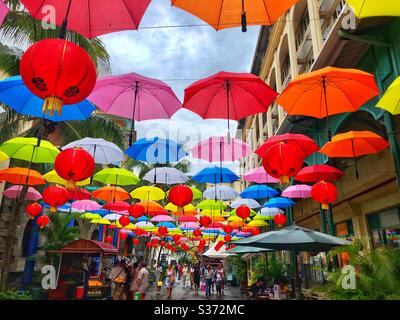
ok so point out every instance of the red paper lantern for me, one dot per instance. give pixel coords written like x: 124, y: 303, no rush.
x: 168, y: 246
x: 55, y: 196
x: 173, y: 249
x: 136, y: 210
x: 243, y: 212
x: 282, y: 161
x: 228, y: 229
x: 109, y: 239
x: 176, y: 237
x: 197, y: 233
x: 227, y: 238
x: 58, y: 71
x: 162, y: 230
x: 124, y: 221
x: 202, y: 241
x: 139, y: 231
x: 180, y: 195
x: 136, y: 241
x: 148, y: 244
x: 205, y: 221
x: 155, y: 245
x: 123, y: 235
x: 178, y: 242
x: 78, y: 193
x: 162, y: 243
x: 74, y: 165
x: 33, y: 209
x: 280, y: 219
x: 42, y: 221
x: 324, y: 193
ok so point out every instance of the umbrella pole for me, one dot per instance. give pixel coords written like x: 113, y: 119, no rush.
x: 326, y: 109
x: 63, y: 29
x: 94, y: 158
x: 355, y: 160
x: 228, y: 87
x: 132, y: 136
x: 244, y: 19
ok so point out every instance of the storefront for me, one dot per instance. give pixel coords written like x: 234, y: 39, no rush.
x: 384, y: 228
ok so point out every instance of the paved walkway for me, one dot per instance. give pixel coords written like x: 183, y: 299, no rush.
x: 181, y: 293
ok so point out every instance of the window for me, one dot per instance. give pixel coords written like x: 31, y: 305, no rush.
x: 301, y: 31
x: 385, y: 228
x: 285, y: 73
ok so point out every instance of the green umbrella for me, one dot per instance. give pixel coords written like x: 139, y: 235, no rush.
x: 245, y: 249
x: 27, y: 149
x: 116, y: 176
x: 211, y: 205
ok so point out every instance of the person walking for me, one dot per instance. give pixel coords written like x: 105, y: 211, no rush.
x: 196, y: 277
x: 170, y: 280
x: 143, y: 280
x: 134, y: 279
x: 221, y: 278
x: 184, y: 274
x: 159, y: 272
x: 128, y: 281
x: 209, y: 276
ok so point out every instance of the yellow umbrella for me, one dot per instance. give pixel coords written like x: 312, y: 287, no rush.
x: 148, y: 193
x: 214, y: 213
x: 218, y: 218
x: 234, y: 218
x: 100, y: 221
x: 391, y: 99
x: 236, y: 224
x: 130, y: 226
x: 262, y: 217
x: 257, y: 223
x: 3, y: 156
x: 375, y: 8
x: 53, y: 177
x: 90, y: 216
x: 171, y: 207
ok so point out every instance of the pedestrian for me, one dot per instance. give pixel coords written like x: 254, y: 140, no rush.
x: 143, y: 280
x: 191, y: 271
x: 180, y: 271
x: 209, y: 276
x: 159, y: 278
x: 117, y: 277
x: 134, y: 279
x: 170, y: 280
x: 128, y: 281
x: 221, y: 273
x: 196, y: 278
x: 184, y: 274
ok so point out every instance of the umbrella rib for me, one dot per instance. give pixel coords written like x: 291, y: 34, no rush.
x: 130, y: 15
x: 161, y: 104
x: 211, y: 100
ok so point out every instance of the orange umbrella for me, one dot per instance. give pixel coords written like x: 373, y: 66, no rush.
x: 185, y: 213
x: 22, y: 176
x: 222, y: 14
x: 111, y: 194
x: 354, y: 144
x: 328, y: 91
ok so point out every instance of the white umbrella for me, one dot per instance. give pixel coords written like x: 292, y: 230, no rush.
x: 103, y: 152
x: 251, y: 203
x: 166, y: 175
x: 220, y: 193
x: 112, y: 217
x: 270, y: 212
x: 144, y: 224
x: 220, y: 254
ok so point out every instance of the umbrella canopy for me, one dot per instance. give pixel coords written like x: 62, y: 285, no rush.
x: 245, y: 249
x: 220, y: 149
x: 211, y: 205
x: 221, y: 14
x: 270, y: 212
x: 306, y: 144
x: 259, y: 175
x: 220, y: 193
x: 21, y: 176
x: 85, y: 205
x: 14, y: 192
x: 117, y: 206
x: 318, y: 172
x: 162, y: 218
x: 371, y: 8
x: 112, y: 217
x: 90, y: 216
x: 190, y: 225
x: 116, y: 176
x: 262, y: 217
x: 91, y: 18
x: 228, y: 95
x: 215, y: 175
x: 15, y: 94
x: 213, y: 253
x: 251, y: 203
x: 135, y: 97
x: 79, y: 193
x: 3, y: 157
x: 390, y: 101
x: 148, y: 193
x: 100, y: 221
x: 102, y: 151
x: 187, y: 219
x: 279, y: 202
x: 156, y: 151
x: 166, y: 175
x: 144, y: 224
x: 167, y: 224
x: 171, y: 207
x: 293, y: 238
x: 53, y: 177
x: 258, y: 192
x: 27, y: 149
x: 111, y: 194
x: 298, y: 191
x: 257, y: 223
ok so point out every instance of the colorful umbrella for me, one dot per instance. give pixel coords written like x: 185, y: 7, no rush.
x: 257, y: 223
x: 111, y: 194
x: 279, y: 202
x: 306, y: 144
x: 14, y: 192
x: 251, y: 203
x: 79, y: 193
x: 100, y: 221
x: 90, y: 216
x: 53, y: 177
x: 162, y: 218
x: 30, y: 149
x: 258, y: 192
x: 166, y: 175
x: 135, y: 97
x: 242, y: 94
x: 117, y: 206
x: 103, y: 152
x: 259, y: 175
x: 318, y: 172
x: 211, y: 205
x: 21, y: 176
x: 270, y: 212
x: 15, y: 94
x: 220, y: 193
x: 328, y: 91
x: 197, y: 194
x: 390, y: 101
x: 112, y: 217
x: 144, y: 224
x: 221, y: 14
x: 188, y: 219
x: 116, y: 176
x: 85, y: 205
x: 91, y: 18
x: 373, y: 8
x: 190, y: 225
x: 3, y: 157
x: 148, y: 193
x: 3, y: 12
x: 215, y: 175
x: 171, y: 207
x: 262, y: 217
x: 298, y: 191
x: 233, y: 212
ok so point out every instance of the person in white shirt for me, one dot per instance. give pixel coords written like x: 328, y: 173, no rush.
x: 143, y: 279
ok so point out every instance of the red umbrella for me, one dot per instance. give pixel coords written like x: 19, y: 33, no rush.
x: 188, y: 219
x: 242, y: 94
x: 79, y: 194
x: 91, y: 18
x: 306, y: 144
x: 319, y: 172
x: 117, y: 206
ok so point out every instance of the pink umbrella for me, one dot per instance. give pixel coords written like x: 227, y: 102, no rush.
x: 220, y: 149
x: 188, y: 219
x: 3, y: 12
x: 190, y: 225
x: 300, y: 191
x: 259, y: 175
x: 135, y: 97
x: 14, y: 191
x: 85, y: 205
x: 162, y: 218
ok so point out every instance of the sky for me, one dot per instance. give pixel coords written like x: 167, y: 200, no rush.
x: 179, y: 56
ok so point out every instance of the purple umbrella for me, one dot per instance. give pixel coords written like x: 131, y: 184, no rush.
x: 259, y: 175
x: 14, y: 192
x: 135, y: 97
x: 299, y: 191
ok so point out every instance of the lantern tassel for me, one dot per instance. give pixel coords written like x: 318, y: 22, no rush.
x: 284, y: 180
x: 70, y: 185
x: 325, y: 206
x: 52, y: 105
x: 53, y: 209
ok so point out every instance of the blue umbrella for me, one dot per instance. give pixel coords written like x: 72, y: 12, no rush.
x: 156, y: 151
x: 279, y: 202
x: 166, y: 224
x: 16, y: 95
x: 143, y: 218
x: 258, y: 192
x: 101, y: 212
x: 215, y: 175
